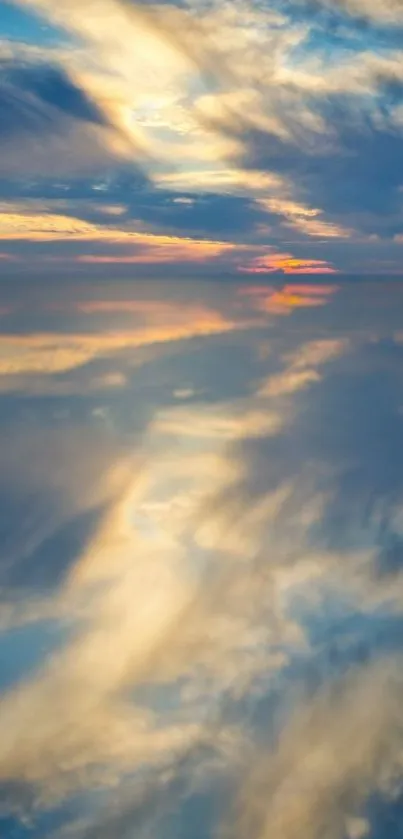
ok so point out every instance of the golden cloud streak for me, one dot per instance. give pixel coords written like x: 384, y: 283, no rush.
x: 147, y: 247
x: 287, y: 264
x: 142, y: 248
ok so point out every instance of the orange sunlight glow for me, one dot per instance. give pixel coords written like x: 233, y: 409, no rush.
x: 284, y: 300
x: 287, y: 264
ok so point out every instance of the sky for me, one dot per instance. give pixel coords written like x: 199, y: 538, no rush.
x: 201, y: 419
x: 201, y: 137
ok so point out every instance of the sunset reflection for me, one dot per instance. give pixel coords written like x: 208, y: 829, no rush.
x: 201, y: 540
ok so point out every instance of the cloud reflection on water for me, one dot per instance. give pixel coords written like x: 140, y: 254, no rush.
x: 202, y: 530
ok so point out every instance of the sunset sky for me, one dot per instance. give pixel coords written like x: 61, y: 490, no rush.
x: 201, y: 137
x: 201, y: 419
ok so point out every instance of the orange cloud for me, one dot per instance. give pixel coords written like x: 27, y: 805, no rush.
x: 287, y: 264
x: 113, y: 244
x: 138, y: 247
x: 152, y: 248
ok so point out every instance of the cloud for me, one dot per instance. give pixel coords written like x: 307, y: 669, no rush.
x: 128, y: 82
x: 115, y: 240
x: 287, y: 264
x: 47, y: 114
x: 304, y: 219
x: 331, y: 168
x: 332, y: 754
x: 389, y: 13
x: 122, y: 243
x: 32, y: 95
x: 259, y: 155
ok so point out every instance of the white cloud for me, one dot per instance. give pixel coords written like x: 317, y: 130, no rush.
x: 334, y: 751
x: 219, y: 423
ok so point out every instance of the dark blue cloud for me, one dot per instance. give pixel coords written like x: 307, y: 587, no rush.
x: 113, y: 185
x: 43, y: 568
x: 35, y: 98
x: 355, y: 174
x: 207, y: 215
x: 52, y: 86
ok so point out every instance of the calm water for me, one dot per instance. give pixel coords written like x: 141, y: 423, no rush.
x: 201, y: 529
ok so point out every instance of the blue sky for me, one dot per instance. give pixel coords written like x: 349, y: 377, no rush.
x: 209, y: 136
